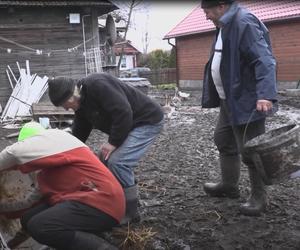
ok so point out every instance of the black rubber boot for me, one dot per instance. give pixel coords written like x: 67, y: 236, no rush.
x: 257, y: 201
x: 132, y: 214
x: 88, y: 241
x: 228, y: 187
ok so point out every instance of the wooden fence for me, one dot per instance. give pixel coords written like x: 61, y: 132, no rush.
x: 160, y: 76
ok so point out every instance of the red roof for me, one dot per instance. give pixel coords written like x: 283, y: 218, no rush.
x: 267, y: 10
x: 56, y: 3
x: 127, y: 47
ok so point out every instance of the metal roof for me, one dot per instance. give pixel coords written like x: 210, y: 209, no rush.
x: 55, y: 3
x: 266, y: 10
x: 126, y: 47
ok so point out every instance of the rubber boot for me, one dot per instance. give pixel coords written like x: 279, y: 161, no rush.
x: 228, y: 187
x: 88, y: 241
x: 257, y: 201
x: 132, y: 214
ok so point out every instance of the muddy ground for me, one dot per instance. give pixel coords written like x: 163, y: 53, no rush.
x: 174, y: 206
x: 177, y: 214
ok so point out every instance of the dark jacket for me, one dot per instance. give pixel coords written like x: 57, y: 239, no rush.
x: 114, y: 107
x: 248, y: 68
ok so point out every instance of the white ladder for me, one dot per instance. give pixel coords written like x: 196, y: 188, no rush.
x: 94, y: 60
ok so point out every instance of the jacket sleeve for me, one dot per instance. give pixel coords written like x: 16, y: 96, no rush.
x: 7, y: 159
x: 256, y: 48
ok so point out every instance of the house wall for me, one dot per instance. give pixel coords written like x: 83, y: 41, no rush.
x: 193, y: 53
x: 130, y: 61
x: 286, y: 47
x: 27, y: 29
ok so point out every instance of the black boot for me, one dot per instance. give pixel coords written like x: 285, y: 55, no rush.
x: 257, y: 202
x: 88, y: 241
x: 228, y: 187
x: 132, y: 214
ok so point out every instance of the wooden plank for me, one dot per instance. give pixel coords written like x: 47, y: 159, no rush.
x: 40, y: 109
x: 51, y: 112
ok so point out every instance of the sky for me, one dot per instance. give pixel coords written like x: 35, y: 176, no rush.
x: 158, y: 18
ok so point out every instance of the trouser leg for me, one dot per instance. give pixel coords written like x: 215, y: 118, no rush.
x: 230, y: 142
x: 88, y: 241
x: 57, y: 226
x: 125, y: 158
x: 257, y: 201
x: 229, y: 159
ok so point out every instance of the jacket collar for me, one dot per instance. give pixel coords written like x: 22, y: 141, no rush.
x: 229, y: 14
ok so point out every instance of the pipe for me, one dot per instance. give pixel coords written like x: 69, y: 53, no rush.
x: 84, y: 46
x: 177, y: 74
x: 174, y: 46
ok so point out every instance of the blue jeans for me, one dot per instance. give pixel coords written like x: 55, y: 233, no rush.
x: 123, y: 160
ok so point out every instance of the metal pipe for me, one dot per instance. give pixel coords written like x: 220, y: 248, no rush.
x: 171, y: 43
x: 84, y: 46
x: 177, y: 73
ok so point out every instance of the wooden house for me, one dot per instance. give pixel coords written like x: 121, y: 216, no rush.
x: 130, y: 54
x: 194, y: 36
x: 57, y: 37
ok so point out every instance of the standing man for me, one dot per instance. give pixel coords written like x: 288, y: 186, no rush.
x: 75, y: 195
x: 130, y: 118
x: 240, y: 77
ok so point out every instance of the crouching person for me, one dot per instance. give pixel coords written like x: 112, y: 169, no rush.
x: 77, y: 195
x: 131, y: 119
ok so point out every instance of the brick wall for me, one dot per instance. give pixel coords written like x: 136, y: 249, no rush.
x: 193, y: 52
x: 286, y: 47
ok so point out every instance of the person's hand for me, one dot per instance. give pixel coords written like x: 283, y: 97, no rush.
x: 264, y: 105
x: 105, y: 151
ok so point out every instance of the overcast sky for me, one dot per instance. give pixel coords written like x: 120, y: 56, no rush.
x: 158, y: 17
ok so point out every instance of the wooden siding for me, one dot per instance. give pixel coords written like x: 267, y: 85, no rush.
x: 193, y: 52
x: 46, y: 29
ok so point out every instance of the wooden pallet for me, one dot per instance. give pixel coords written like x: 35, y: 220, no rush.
x: 55, y: 114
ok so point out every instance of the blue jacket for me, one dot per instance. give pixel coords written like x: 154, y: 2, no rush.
x: 248, y: 68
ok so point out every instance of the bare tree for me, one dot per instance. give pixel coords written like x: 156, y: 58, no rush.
x: 145, y: 37
x: 125, y: 14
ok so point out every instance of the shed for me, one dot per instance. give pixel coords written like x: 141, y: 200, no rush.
x: 194, y: 36
x: 57, y: 37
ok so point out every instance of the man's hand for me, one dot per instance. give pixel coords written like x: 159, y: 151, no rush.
x: 264, y: 105
x: 105, y: 150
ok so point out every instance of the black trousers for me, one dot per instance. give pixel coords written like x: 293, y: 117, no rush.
x: 56, y: 225
x: 230, y: 140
